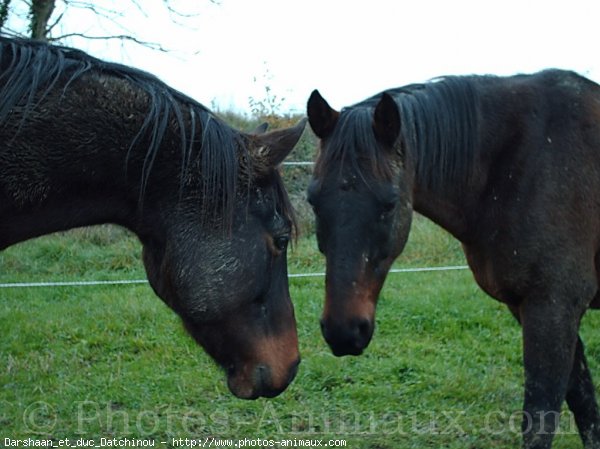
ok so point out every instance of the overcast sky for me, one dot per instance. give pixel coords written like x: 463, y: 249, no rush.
x: 350, y: 49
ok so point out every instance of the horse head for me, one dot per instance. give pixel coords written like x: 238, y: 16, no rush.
x: 362, y: 202
x: 229, y: 282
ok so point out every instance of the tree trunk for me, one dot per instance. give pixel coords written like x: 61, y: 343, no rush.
x: 40, y: 11
x: 4, y: 9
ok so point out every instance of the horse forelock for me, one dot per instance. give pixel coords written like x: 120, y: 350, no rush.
x: 353, y: 142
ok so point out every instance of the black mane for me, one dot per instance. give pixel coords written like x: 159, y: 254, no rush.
x: 31, y: 70
x: 439, y: 127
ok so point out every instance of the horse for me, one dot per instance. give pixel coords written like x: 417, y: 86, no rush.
x: 510, y: 166
x: 86, y: 142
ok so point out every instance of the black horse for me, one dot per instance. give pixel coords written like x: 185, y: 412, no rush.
x: 87, y: 142
x: 511, y: 167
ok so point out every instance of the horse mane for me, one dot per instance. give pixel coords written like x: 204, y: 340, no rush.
x: 32, y: 69
x: 439, y: 127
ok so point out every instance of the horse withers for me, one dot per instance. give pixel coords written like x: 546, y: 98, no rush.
x: 87, y: 142
x: 511, y: 167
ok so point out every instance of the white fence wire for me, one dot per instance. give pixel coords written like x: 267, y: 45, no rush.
x: 298, y: 163
x: 145, y: 281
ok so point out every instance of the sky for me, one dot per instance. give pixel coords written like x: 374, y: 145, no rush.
x: 227, y: 52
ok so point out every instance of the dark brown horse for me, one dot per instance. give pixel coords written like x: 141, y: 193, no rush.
x: 511, y: 167
x: 87, y: 142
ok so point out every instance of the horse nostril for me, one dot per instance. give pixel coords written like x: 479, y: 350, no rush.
x: 262, y: 381
x: 363, y: 329
x: 263, y: 375
x: 263, y: 378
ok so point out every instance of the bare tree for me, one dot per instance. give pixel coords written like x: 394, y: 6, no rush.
x: 44, y: 16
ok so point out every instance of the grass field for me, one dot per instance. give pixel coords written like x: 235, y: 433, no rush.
x: 443, y: 369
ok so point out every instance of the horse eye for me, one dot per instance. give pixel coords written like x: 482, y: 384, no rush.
x: 389, y: 201
x: 388, y: 206
x: 281, y: 242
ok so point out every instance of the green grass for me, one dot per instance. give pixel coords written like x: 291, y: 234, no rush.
x: 443, y: 369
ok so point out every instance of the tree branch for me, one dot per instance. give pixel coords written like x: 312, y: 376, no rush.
x: 51, y: 26
x: 174, y: 11
x: 139, y: 8
x: 97, y: 9
x: 107, y: 13
x: 122, y: 37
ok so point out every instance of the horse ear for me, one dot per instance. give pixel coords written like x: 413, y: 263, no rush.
x: 321, y: 116
x: 270, y: 149
x: 386, y: 120
x: 261, y: 129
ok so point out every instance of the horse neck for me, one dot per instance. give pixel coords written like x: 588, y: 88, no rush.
x: 444, y: 204
x: 72, y: 175
x: 444, y: 210
x: 56, y: 199
x: 456, y: 205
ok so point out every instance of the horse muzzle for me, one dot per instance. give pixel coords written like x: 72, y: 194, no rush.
x: 260, y: 380
x: 348, y: 319
x: 348, y: 337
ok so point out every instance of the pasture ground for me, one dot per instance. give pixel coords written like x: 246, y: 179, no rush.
x: 443, y: 369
